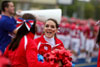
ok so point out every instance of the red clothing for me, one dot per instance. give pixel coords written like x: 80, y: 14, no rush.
x: 75, y: 31
x: 40, y: 26
x: 4, y: 61
x: 98, y: 62
x: 43, y: 46
x: 64, y: 29
x: 22, y: 57
x: 89, y: 33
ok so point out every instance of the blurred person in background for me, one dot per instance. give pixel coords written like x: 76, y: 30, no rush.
x: 64, y: 33
x: 75, y: 40
x: 67, y: 36
x: 39, y: 27
x: 82, y: 39
x: 7, y: 24
x: 90, y: 41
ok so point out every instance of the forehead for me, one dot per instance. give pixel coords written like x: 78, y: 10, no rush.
x: 50, y: 22
x: 10, y: 3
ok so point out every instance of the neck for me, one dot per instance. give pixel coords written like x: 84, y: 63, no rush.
x: 48, y: 38
x: 6, y: 14
x: 51, y: 41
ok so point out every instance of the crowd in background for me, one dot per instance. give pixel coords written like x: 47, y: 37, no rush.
x: 77, y: 35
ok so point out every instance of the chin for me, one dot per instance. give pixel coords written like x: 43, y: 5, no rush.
x: 49, y: 36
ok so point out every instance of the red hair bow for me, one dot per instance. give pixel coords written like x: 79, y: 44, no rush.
x: 28, y: 23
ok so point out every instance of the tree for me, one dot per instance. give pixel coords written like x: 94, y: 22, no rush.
x: 70, y: 9
x: 89, y: 11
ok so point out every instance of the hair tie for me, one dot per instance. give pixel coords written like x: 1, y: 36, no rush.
x: 28, y: 23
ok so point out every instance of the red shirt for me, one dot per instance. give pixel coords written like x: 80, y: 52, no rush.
x: 89, y: 33
x: 75, y: 31
x: 64, y: 29
x: 25, y: 57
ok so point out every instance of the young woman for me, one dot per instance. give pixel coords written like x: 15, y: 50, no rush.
x: 48, y: 41
x: 22, y: 52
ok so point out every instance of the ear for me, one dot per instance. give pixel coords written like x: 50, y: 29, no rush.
x: 6, y: 8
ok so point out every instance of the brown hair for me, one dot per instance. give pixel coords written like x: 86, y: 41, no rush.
x: 4, y: 5
x: 54, y: 22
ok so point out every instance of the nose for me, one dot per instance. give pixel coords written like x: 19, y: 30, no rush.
x: 49, y: 27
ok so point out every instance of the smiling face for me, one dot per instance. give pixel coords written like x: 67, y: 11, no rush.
x: 50, y: 29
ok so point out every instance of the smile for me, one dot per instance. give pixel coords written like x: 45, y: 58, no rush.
x: 49, y: 32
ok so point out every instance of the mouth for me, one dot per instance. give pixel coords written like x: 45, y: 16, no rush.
x: 49, y: 32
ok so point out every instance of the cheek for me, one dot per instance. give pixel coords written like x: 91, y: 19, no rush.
x: 12, y: 9
x: 44, y: 29
x: 54, y: 30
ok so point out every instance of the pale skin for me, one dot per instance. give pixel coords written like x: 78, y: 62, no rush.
x: 50, y: 29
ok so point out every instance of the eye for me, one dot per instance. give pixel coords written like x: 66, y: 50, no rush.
x: 46, y: 25
x: 52, y: 26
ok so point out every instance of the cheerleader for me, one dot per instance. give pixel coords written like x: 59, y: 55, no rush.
x: 22, y: 52
x: 48, y: 41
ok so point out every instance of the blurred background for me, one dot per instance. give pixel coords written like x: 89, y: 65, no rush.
x: 83, y: 9
x: 79, y: 12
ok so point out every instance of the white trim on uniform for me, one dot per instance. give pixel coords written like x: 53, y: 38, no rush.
x: 38, y: 45
x: 25, y: 44
x: 57, y: 45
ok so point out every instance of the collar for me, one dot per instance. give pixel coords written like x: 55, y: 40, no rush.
x: 48, y: 38
x: 43, y: 41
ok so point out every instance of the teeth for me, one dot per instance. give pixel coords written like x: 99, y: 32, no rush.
x: 49, y: 32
